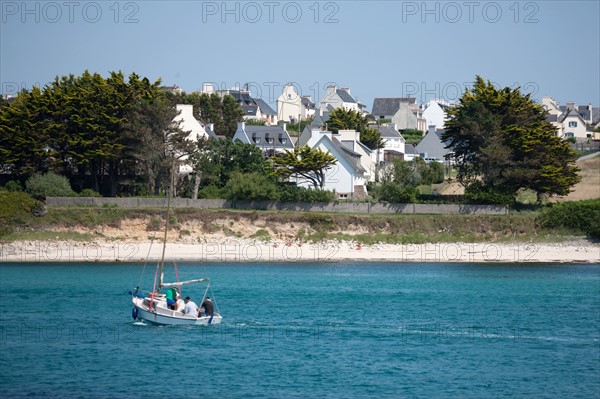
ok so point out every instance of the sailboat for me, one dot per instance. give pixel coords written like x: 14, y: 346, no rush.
x: 152, y: 307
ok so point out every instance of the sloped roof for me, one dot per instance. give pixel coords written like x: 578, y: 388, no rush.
x: 389, y: 106
x: 410, y: 149
x: 307, y: 103
x: 264, y: 107
x: 387, y: 131
x: 271, y: 132
x: 249, y: 109
x: 573, y: 112
x: 319, y: 120
x: 345, y: 96
x: 551, y: 118
x: 350, y: 156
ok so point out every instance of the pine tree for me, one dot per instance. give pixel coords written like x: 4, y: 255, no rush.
x: 501, y: 140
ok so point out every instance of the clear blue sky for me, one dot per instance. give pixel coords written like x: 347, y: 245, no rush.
x: 377, y: 48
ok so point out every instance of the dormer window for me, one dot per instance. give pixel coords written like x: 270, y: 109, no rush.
x: 256, y: 140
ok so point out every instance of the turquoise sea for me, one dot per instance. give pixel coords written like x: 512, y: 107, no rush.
x: 329, y: 330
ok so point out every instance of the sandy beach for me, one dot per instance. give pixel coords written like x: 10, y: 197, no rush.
x: 249, y: 250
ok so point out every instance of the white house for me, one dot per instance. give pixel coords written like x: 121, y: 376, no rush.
x: 402, y: 111
x: 435, y: 113
x: 394, y: 145
x: 188, y: 123
x: 270, y: 139
x: 572, y: 120
x: 346, y: 178
x: 350, y: 140
x: 291, y: 105
x: 339, y: 98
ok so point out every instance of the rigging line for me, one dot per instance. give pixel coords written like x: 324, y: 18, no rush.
x: 147, y: 257
x: 212, y: 294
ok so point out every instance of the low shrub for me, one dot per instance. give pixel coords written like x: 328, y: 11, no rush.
x: 583, y: 216
x: 290, y: 193
x: 16, y: 207
x: 13, y: 186
x: 396, y: 194
x: 88, y: 192
x: 48, y: 185
x: 478, y: 193
x: 251, y: 186
x: 212, y: 192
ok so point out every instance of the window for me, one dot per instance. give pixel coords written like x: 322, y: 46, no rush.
x: 256, y: 139
x: 283, y: 141
x: 573, y: 124
x: 269, y: 140
x: 569, y: 134
x: 343, y: 196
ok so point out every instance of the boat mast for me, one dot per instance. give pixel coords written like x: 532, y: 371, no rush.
x: 162, y: 259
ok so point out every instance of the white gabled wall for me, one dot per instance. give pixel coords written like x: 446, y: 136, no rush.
x: 188, y: 123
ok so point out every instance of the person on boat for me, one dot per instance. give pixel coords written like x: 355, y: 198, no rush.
x: 208, y: 307
x: 171, y: 296
x: 190, y: 307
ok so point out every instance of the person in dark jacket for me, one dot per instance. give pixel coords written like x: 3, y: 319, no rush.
x: 209, y: 309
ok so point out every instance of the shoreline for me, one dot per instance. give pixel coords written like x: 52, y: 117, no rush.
x: 256, y: 251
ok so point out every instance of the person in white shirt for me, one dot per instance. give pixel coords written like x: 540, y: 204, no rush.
x: 190, y: 307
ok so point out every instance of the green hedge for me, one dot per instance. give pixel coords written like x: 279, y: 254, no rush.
x: 580, y: 215
x: 48, y: 185
x: 16, y: 208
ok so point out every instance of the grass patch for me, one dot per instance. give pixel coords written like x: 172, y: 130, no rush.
x: 262, y: 235
x: 44, y: 235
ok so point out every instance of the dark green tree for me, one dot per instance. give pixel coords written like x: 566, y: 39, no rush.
x: 155, y: 141
x: 232, y: 114
x: 214, y: 160
x: 501, y: 137
x: 342, y: 119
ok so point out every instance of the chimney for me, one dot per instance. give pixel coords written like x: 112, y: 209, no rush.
x: 431, y: 129
x: 330, y: 91
x: 208, y: 88
x: 241, y: 126
x: 590, y: 108
x: 346, y: 89
x: 570, y: 106
x: 395, y: 126
x: 211, y: 126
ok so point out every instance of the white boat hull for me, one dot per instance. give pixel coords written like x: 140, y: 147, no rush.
x: 160, y: 315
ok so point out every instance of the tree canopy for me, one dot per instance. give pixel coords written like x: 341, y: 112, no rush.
x: 306, y: 163
x: 77, y: 127
x: 503, y: 143
x: 342, y: 119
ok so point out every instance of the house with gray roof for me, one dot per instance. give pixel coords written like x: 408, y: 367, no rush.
x: 394, y: 144
x: 253, y: 108
x: 292, y: 106
x: 403, y: 111
x: 432, y: 146
x: 572, y: 120
x: 340, y: 98
x: 347, y: 177
x: 321, y: 117
x: 270, y: 139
